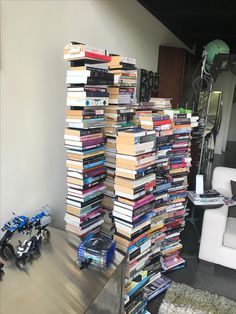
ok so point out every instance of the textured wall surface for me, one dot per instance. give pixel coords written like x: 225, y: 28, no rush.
x: 33, y: 89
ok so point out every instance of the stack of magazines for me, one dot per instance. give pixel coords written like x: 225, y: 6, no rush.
x: 211, y: 197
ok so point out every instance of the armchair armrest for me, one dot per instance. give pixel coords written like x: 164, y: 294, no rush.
x: 213, y: 229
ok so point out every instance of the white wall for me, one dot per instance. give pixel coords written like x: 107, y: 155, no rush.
x: 225, y: 82
x: 33, y: 91
x: 232, y: 124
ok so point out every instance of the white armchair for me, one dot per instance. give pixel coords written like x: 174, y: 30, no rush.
x: 218, y: 240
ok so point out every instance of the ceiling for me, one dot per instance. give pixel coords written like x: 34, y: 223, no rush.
x: 197, y: 22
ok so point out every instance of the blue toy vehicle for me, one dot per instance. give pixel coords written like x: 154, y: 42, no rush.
x: 17, y: 223
x: 30, y: 248
x: 23, y: 224
x: 40, y: 221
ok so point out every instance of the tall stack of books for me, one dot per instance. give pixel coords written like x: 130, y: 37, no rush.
x: 87, y: 95
x: 134, y: 183
x: 173, y: 134
x: 162, y: 126
x: 118, y: 116
x: 179, y: 163
x: 122, y: 95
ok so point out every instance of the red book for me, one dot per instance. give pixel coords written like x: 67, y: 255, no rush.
x: 97, y: 56
x: 150, y: 185
x: 162, y: 122
x: 176, y: 166
x: 144, y: 200
x: 91, y: 214
x: 93, y: 142
x: 176, y: 213
x: 95, y: 171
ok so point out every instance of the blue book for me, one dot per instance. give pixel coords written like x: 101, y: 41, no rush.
x: 140, y: 285
x: 98, y: 163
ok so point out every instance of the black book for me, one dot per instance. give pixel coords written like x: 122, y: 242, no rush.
x: 92, y: 202
x: 134, y: 299
x: 90, y: 221
x: 100, y: 80
x: 84, y: 132
x: 135, y: 234
x: 93, y: 159
x: 97, y: 94
x: 143, y: 209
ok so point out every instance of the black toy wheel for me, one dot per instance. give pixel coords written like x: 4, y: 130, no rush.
x: 20, y: 264
x: 46, y: 235
x: 36, y: 253
x: 1, y: 273
x: 7, y: 251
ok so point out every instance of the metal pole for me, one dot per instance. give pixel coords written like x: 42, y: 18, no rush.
x: 203, y: 138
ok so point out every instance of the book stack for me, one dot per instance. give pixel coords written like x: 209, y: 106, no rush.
x: 161, y: 103
x: 135, y: 300
x: 96, y: 251
x: 210, y: 197
x: 146, y: 109
x: 179, y: 163
x: 122, y: 95
x: 162, y: 126
x: 142, y: 109
x: 118, y: 116
x: 87, y: 81
x: 108, y: 227
x: 156, y: 287
x: 135, y: 181
x: 158, y: 122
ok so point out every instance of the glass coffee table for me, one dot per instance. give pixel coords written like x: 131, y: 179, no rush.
x: 198, y: 205
x: 52, y: 283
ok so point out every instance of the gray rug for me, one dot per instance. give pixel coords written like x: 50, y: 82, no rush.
x: 182, y: 299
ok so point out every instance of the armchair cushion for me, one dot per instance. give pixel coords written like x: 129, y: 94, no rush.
x: 230, y: 233
x: 213, y: 229
x: 232, y: 211
x: 221, y: 180
x: 233, y: 189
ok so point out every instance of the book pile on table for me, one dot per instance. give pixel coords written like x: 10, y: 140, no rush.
x: 161, y: 103
x: 96, y: 251
x: 211, y: 197
x: 118, y: 116
x: 87, y: 81
x: 134, y: 182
